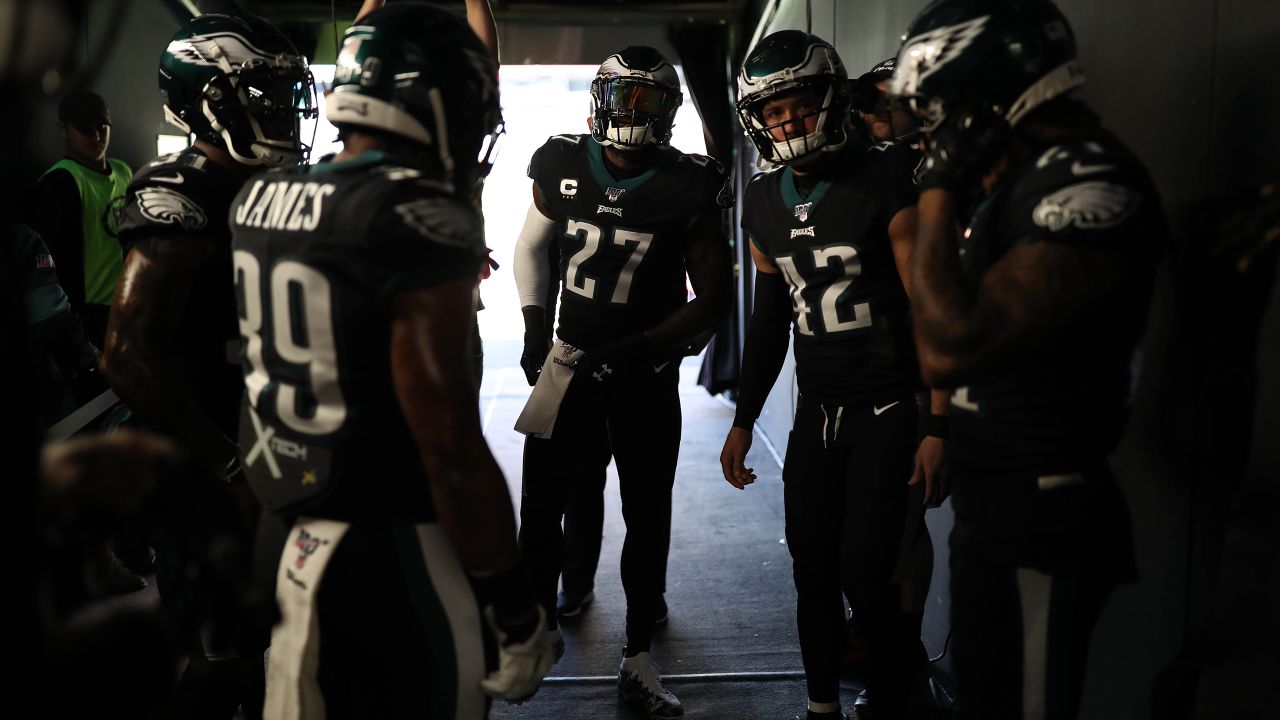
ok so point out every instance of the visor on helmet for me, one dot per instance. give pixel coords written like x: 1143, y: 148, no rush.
x: 632, y: 111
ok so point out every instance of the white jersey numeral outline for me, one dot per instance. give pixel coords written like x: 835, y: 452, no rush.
x: 590, y: 235
x: 851, y: 268
x: 318, y: 354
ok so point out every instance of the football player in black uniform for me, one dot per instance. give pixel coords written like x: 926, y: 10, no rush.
x: 239, y: 86
x: 1032, y: 315
x: 632, y: 216
x: 831, y: 233
x: 356, y: 282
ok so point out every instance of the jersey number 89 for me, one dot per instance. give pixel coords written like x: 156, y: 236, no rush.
x: 293, y: 288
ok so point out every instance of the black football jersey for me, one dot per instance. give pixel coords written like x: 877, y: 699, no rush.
x: 622, y: 241
x: 320, y: 254
x: 184, y: 197
x: 1069, y: 400
x: 851, y: 316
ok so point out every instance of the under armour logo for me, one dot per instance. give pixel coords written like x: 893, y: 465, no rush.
x: 599, y: 374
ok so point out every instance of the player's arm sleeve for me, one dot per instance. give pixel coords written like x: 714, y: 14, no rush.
x: 532, y: 261
x: 57, y: 216
x: 765, y: 348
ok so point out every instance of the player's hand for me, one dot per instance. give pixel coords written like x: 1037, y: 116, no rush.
x: 929, y: 469
x: 536, y: 347
x: 962, y: 149
x: 603, y: 360
x: 521, y: 663
x: 734, y: 456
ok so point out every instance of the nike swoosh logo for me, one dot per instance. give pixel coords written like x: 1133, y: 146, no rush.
x: 174, y: 179
x: 1077, y: 168
x: 879, y: 410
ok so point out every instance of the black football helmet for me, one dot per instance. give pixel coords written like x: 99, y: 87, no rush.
x: 419, y: 72
x: 634, y: 99
x: 787, y: 62
x: 239, y: 83
x: 1001, y: 56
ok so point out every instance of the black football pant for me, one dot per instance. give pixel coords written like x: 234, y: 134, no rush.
x: 845, y: 488
x: 583, y: 531
x: 1033, y: 560
x: 632, y: 415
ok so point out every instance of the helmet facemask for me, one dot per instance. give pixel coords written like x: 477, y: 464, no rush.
x: 803, y: 74
x: 257, y: 109
x: 629, y: 113
x: 780, y: 135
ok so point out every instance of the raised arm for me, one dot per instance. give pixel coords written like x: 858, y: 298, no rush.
x: 368, y: 7
x: 480, y: 18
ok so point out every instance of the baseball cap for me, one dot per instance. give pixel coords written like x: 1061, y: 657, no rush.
x: 882, y: 71
x: 84, y: 110
x: 865, y: 93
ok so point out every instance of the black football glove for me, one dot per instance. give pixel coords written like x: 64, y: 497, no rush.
x: 962, y: 149
x: 536, y: 347
x: 602, y: 361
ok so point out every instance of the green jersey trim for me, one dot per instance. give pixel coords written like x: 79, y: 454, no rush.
x: 595, y: 159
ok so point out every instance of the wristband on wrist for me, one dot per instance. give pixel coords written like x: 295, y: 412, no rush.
x: 938, y: 426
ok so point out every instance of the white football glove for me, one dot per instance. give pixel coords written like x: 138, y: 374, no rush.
x: 521, y: 666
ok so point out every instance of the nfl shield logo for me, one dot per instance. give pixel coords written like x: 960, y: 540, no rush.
x: 613, y: 193
x: 802, y: 211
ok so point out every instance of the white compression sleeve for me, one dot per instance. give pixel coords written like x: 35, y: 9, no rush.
x: 531, y: 267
